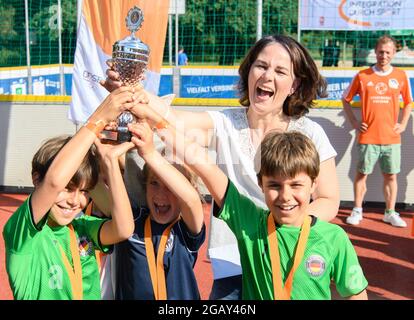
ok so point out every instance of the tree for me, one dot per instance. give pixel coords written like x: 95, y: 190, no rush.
x: 220, y: 30
x: 238, y: 29
x: 280, y: 17
x: 224, y: 30
x: 7, y: 34
x: 44, y: 23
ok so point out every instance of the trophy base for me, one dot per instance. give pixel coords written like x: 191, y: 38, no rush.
x: 116, y: 136
x: 109, y: 135
x: 124, y: 136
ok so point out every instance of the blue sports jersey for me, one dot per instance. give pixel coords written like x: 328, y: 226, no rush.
x: 133, y: 279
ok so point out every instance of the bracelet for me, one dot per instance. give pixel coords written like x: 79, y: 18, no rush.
x: 95, y: 127
x: 163, y: 124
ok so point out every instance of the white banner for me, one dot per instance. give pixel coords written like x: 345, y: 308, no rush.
x: 356, y: 14
x: 102, y: 23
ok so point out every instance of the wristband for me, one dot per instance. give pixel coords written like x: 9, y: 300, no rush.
x: 95, y: 127
x: 162, y: 124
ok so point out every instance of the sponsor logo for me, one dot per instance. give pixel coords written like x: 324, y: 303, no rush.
x: 381, y: 88
x: 85, y: 246
x: 370, y: 84
x: 393, y: 83
x: 92, y: 79
x: 315, y: 265
x: 345, y: 15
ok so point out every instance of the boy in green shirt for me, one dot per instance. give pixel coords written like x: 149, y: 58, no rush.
x: 50, y: 254
x: 286, y: 253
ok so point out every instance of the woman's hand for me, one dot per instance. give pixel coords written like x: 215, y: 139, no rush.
x: 112, y: 82
x: 144, y: 108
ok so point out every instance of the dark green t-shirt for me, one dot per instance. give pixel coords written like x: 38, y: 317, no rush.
x: 329, y: 254
x: 34, y: 261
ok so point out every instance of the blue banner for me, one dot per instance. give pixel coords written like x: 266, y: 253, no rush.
x: 166, y: 85
x: 192, y: 86
x: 208, y: 87
x: 42, y: 85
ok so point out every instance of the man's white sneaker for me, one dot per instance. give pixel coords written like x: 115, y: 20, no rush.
x: 355, y: 218
x: 394, y: 219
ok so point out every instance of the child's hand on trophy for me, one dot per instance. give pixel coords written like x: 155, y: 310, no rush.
x: 120, y: 100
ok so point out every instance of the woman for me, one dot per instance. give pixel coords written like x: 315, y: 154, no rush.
x: 278, y: 82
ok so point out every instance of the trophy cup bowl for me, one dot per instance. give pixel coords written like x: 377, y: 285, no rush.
x: 130, y: 59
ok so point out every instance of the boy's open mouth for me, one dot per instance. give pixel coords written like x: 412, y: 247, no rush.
x: 161, y: 208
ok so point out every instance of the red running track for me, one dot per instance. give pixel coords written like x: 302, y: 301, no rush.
x: 385, y: 253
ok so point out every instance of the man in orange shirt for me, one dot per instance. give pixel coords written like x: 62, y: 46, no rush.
x: 379, y: 88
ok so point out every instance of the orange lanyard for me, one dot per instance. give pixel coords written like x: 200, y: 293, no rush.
x: 98, y: 253
x: 75, y: 273
x: 280, y: 292
x: 157, y: 269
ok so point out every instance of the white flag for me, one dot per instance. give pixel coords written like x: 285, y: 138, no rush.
x: 102, y: 23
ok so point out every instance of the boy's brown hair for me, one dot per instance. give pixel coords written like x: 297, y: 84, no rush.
x: 287, y: 154
x: 87, y: 173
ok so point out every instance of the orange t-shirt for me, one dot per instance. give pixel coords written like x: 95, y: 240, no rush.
x: 380, y: 105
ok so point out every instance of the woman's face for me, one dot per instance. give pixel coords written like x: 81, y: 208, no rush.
x: 271, y: 79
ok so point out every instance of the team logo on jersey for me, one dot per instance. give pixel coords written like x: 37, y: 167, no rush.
x: 393, y: 83
x: 315, y: 265
x: 85, y: 246
x: 170, y: 243
x: 381, y: 88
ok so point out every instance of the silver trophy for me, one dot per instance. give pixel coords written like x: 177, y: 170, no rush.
x: 130, y: 59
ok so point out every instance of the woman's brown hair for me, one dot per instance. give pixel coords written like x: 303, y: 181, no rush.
x: 311, y: 84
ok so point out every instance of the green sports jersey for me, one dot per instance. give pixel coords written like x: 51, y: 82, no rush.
x: 329, y: 254
x: 34, y: 262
